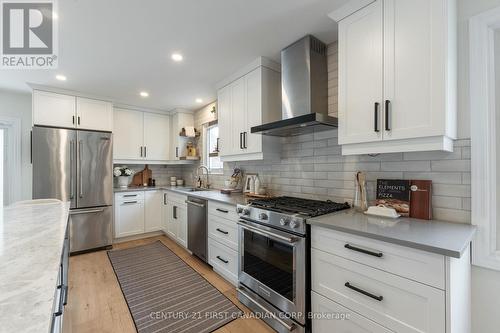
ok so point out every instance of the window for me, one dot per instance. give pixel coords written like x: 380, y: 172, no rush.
x: 211, y: 154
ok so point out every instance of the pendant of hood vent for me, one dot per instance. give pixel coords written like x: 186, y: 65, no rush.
x: 304, y: 91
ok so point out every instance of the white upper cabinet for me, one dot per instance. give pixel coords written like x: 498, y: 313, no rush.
x: 59, y: 110
x: 156, y: 136
x: 93, y: 114
x: 178, y: 148
x: 360, y: 71
x: 128, y: 135
x: 249, y: 98
x: 397, y: 75
x: 141, y: 136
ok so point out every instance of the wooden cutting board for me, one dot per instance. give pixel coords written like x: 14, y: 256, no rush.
x: 142, y: 177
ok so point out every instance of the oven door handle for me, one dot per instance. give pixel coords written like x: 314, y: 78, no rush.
x: 290, y: 327
x: 289, y: 240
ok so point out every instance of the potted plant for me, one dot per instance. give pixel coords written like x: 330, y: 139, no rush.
x: 122, y: 173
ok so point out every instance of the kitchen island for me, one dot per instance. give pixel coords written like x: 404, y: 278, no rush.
x: 31, y: 245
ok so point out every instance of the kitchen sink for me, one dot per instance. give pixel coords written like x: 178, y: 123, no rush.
x: 194, y: 189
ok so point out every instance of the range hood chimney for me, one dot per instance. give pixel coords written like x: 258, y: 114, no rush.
x: 304, y: 91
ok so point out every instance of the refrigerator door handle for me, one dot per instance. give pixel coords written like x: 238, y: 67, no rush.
x: 71, y: 176
x: 86, y: 211
x: 80, y: 154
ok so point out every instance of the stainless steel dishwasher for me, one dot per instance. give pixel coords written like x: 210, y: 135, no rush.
x: 197, y: 227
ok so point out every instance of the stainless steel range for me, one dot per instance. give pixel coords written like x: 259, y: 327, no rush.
x: 273, y: 270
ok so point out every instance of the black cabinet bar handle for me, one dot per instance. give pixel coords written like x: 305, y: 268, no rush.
x: 241, y: 140
x: 222, y: 210
x: 129, y: 202
x: 361, y: 291
x: 130, y: 195
x: 78, y: 120
x: 375, y: 117
x: 141, y: 151
x: 222, y: 231
x: 145, y: 151
x: 223, y: 260
x: 174, y: 212
x: 164, y: 198
x: 387, y: 115
x: 176, y: 151
x: 357, y: 249
x: 73, y: 120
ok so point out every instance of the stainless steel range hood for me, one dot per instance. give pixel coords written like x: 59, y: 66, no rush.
x: 304, y: 91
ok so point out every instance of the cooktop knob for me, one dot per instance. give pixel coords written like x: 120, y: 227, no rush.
x: 294, y: 224
x: 246, y: 211
x: 263, y: 216
x: 239, y: 210
x: 284, y: 221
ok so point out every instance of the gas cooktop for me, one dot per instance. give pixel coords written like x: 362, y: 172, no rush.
x: 305, y: 207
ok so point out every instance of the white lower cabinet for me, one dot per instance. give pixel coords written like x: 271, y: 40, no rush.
x: 224, y: 260
x: 223, y: 240
x: 129, y: 214
x: 175, y: 217
x: 153, y: 210
x: 379, y: 286
x: 329, y: 316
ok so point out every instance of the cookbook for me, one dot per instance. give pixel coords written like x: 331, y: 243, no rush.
x: 394, y: 193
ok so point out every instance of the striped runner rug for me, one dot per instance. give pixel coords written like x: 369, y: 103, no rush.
x: 164, y: 294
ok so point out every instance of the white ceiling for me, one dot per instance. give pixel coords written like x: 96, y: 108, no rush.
x: 116, y: 48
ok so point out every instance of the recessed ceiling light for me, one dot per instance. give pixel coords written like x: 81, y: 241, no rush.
x: 55, y: 16
x: 199, y: 100
x: 144, y: 94
x: 177, y: 57
x: 61, y: 77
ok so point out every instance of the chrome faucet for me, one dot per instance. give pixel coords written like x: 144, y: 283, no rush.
x: 199, y: 181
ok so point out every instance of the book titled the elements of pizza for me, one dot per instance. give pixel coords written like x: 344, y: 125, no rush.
x: 394, y: 193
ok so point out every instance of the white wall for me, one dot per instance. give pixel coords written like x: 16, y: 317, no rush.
x: 18, y: 105
x: 1, y: 167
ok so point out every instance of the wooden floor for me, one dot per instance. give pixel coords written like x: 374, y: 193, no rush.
x: 96, y: 302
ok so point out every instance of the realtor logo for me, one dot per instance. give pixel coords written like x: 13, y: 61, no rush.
x: 28, y: 35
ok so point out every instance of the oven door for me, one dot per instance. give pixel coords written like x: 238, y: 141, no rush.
x: 272, y: 264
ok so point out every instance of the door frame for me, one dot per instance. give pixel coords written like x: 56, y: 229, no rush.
x: 12, y: 126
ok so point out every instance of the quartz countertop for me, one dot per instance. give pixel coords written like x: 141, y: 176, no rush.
x: 31, y: 243
x: 445, y: 238
x: 214, y: 195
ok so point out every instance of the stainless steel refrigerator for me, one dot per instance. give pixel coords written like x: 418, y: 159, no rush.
x: 76, y: 165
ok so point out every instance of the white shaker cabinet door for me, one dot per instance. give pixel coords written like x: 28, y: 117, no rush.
x: 416, y: 68
x: 253, y: 142
x: 182, y: 225
x: 129, y: 218
x: 156, y: 137
x: 361, y: 75
x: 153, y: 211
x: 56, y: 110
x: 128, y: 135
x: 93, y: 114
x: 225, y: 119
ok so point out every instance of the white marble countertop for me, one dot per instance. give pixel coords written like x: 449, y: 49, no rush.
x: 446, y: 238
x: 210, y: 194
x: 31, y: 243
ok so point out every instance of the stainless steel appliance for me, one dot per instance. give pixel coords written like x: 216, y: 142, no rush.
x: 76, y: 166
x: 197, y: 227
x: 304, y: 91
x: 273, y: 272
